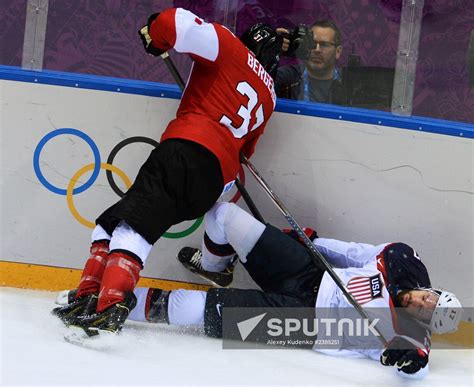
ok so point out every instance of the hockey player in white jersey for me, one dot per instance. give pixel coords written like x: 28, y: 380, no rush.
x: 379, y: 277
x: 283, y: 269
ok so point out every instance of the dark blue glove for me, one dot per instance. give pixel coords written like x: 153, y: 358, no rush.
x: 404, y: 355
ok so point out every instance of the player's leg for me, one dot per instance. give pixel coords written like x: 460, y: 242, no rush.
x: 276, y: 262
x: 83, y: 300
x: 199, y: 308
x: 280, y: 264
x: 180, y: 180
x: 217, y: 258
x: 191, y: 258
x: 176, y: 307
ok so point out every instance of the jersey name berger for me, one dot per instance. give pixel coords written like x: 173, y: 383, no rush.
x: 258, y: 69
x: 365, y: 289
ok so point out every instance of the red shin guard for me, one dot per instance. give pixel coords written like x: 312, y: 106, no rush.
x: 121, y: 275
x: 94, y: 269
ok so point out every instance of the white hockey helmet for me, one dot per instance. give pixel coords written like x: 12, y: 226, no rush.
x: 447, y: 313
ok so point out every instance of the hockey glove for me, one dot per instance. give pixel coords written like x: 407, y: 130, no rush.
x: 310, y: 233
x: 146, y: 38
x: 404, y: 355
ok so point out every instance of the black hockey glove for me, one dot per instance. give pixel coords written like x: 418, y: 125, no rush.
x: 310, y: 233
x: 404, y: 355
x: 146, y: 38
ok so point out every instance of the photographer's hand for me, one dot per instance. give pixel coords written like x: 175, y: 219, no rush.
x: 286, y: 42
x: 298, y: 43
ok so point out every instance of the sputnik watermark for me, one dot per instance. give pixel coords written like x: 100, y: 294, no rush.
x: 345, y: 326
x: 319, y: 328
x: 295, y: 327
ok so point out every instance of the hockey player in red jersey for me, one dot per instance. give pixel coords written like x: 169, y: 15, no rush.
x: 226, y: 104
x: 285, y: 272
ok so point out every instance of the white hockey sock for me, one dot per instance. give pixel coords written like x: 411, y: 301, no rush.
x: 212, y: 262
x: 138, y: 313
x: 241, y: 229
x: 126, y: 238
x: 186, y: 307
x: 215, y: 232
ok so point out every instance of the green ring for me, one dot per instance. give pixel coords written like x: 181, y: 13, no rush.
x: 184, y: 233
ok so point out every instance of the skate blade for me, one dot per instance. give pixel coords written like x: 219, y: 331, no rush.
x: 203, y: 276
x: 215, y: 284
x: 100, y: 339
x: 62, y: 298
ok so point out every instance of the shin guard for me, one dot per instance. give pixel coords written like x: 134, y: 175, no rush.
x: 121, y: 275
x: 94, y: 269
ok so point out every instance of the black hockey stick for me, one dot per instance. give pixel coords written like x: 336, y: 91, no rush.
x: 245, y: 195
x: 315, y: 254
x: 248, y: 200
x: 173, y: 70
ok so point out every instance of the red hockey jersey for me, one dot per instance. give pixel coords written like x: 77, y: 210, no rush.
x: 229, y: 96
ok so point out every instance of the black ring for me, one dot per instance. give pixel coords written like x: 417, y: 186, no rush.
x: 113, y: 153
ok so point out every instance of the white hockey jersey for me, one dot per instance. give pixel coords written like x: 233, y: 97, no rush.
x: 361, y: 268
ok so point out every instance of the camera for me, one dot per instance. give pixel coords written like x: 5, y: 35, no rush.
x: 301, y: 42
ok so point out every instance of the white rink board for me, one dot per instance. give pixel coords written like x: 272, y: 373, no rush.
x: 348, y: 180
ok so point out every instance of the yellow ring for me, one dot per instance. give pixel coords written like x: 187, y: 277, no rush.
x: 75, y: 178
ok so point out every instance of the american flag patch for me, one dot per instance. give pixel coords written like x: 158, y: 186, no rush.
x: 365, y: 289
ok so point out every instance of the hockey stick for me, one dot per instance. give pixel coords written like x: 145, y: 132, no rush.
x: 317, y: 257
x: 173, y: 70
x: 245, y: 195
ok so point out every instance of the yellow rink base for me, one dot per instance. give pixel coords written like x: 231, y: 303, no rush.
x: 28, y: 276
x: 41, y: 277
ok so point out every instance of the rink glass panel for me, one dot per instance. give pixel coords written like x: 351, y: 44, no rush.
x: 100, y: 38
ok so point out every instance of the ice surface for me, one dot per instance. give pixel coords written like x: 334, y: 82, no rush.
x: 33, y: 352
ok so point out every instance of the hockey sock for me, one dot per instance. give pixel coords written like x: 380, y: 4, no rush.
x: 177, y: 307
x: 187, y: 307
x: 215, y: 257
x: 126, y: 238
x: 228, y: 223
x: 94, y: 269
x: 121, y: 275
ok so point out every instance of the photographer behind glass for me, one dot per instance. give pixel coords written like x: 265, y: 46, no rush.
x: 317, y: 79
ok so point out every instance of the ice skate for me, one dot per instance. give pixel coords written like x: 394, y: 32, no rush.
x: 111, y: 319
x: 191, y: 258
x: 97, y: 329
x: 65, y: 297
x: 76, y: 307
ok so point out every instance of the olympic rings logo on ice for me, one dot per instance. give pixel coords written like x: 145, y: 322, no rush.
x: 95, y: 167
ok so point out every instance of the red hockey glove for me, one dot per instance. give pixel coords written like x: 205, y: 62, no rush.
x: 404, y: 355
x: 310, y: 233
x: 146, y: 38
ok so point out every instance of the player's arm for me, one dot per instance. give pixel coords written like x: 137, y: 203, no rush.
x: 344, y: 254
x: 337, y: 253
x: 182, y: 30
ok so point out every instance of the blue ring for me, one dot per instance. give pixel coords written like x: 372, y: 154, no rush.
x: 53, y: 134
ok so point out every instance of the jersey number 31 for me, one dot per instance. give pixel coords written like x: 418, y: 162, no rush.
x: 245, y: 112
